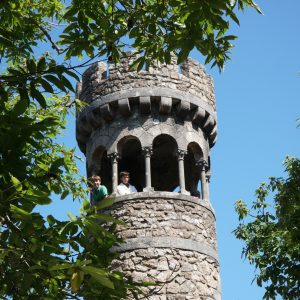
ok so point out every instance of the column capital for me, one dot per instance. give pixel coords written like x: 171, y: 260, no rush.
x: 180, y: 154
x: 208, y: 175
x: 202, y: 163
x: 147, y: 151
x: 114, y: 157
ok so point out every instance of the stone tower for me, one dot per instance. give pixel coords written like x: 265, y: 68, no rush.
x: 159, y: 124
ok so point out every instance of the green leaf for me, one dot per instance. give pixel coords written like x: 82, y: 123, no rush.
x: 56, y: 81
x: 86, y: 205
x: 106, y: 218
x: 16, y: 183
x: 64, y: 194
x: 41, y: 65
x: 241, y: 209
x: 62, y: 266
x: 23, y: 103
x: 38, y: 96
x: 67, y: 83
x: 65, y: 229
x: 138, y: 62
x: 106, y: 202
x: 72, y: 10
x: 6, y: 42
x: 229, y: 37
x: 31, y: 66
x: 3, y: 95
x: 47, y: 87
x: 76, y: 280
x: 83, y: 263
x: 150, y: 283
x: 51, y: 220
x: 99, y: 275
x: 19, y: 213
x: 234, y: 18
x: 72, y: 217
x: 20, y: 107
x: 38, y: 199
x: 182, y: 55
x: 167, y: 57
x: 72, y: 74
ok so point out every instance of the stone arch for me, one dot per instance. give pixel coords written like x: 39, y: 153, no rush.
x: 119, y: 137
x: 98, y: 141
x: 131, y: 160
x: 124, y: 140
x: 100, y: 165
x: 197, y: 138
x: 195, y: 149
x: 164, y: 166
x: 192, y: 171
x: 175, y: 132
x: 94, y: 165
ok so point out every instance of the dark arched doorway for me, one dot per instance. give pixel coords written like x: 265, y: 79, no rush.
x: 191, y: 170
x: 164, y: 165
x: 132, y: 161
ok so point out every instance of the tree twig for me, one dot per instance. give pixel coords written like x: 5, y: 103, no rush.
x: 54, y: 45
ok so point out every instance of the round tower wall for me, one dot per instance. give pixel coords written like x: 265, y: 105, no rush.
x: 170, y: 239
x: 101, y: 79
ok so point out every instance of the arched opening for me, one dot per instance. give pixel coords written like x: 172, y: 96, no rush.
x: 132, y: 161
x: 164, y: 165
x: 192, y: 171
x: 101, y: 166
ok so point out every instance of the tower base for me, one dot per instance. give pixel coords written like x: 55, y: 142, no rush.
x: 170, y: 239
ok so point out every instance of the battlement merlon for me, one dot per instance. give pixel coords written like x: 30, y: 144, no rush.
x: 189, y: 77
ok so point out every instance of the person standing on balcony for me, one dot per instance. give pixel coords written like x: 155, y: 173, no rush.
x: 124, y: 187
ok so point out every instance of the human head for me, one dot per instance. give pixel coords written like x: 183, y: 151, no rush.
x: 95, y: 180
x: 124, y: 177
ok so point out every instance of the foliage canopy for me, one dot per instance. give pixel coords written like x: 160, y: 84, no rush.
x: 271, y: 233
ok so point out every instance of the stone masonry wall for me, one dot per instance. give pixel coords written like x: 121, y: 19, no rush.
x: 169, y: 238
x: 152, y: 218
x: 193, y: 79
x: 182, y: 274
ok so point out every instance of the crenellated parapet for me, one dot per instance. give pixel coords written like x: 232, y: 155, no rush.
x: 185, y: 93
x: 101, y: 79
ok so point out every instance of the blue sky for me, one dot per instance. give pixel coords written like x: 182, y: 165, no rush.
x: 258, y: 103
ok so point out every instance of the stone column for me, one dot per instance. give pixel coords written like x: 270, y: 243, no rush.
x: 180, y: 157
x: 208, y: 175
x: 114, y: 157
x: 204, y: 185
x: 147, y: 151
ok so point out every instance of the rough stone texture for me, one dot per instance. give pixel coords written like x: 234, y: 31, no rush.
x: 145, y: 129
x: 165, y: 217
x: 170, y: 239
x: 183, y: 274
x: 192, y: 79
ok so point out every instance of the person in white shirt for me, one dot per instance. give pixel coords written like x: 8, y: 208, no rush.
x: 124, y: 187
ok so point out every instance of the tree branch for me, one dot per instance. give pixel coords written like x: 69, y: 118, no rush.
x: 54, y: 45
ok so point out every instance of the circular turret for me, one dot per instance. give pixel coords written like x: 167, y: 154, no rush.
x: 159, y: 124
